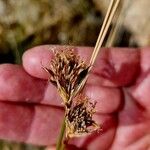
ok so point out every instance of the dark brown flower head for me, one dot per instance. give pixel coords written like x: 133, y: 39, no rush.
x: 67, y: 72
x: 79, y: 117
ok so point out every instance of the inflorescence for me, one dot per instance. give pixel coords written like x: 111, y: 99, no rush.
x: 67, y: 72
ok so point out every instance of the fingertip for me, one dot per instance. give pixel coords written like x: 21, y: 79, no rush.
x: 35, y: 58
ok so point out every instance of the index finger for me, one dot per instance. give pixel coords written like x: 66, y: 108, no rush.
x: 113, y: 67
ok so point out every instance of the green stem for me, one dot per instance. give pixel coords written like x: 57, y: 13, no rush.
x: 60, y: 145
x: 63, y: 147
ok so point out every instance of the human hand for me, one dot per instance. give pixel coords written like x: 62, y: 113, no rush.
x: 31, y: 110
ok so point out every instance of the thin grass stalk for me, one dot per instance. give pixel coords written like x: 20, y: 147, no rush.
x: 101, y: 31
x: 60, y: 144
x: 116, y: 28
x: 104, y: 29
x: 108, y: 18
x: 107, y: 21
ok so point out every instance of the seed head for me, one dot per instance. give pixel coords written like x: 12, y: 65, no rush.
x: 79, y: 117
x: 67, y: 71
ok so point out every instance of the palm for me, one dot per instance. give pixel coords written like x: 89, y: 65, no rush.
x: 120, y: 83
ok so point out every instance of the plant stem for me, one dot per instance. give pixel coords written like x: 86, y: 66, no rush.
x: 107, y: 21
x: 63, y: 147
x: 60, y: 144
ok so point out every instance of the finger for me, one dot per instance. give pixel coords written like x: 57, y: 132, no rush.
x: 36, y: 58
x: 140, y: 90
x: 18, y: 86
x: 29, y: 123
x: 40, y: 125
x: 113, y: 67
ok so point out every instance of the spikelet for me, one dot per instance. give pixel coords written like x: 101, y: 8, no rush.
x: 79, y: 119
x: 67, y: 72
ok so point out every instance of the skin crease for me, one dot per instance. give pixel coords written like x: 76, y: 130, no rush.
x: 31, y: 110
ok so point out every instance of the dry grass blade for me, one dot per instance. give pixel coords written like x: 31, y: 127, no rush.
x: 107, y: 21
x: 118, y: 23
x: 116, y: 26
x: 95, y: 52
x: 108, y: 18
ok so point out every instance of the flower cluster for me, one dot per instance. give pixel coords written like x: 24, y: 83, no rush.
x: 68, y: 72
x: 79, y: 117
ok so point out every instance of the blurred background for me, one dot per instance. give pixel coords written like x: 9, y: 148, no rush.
x: 28, y: 23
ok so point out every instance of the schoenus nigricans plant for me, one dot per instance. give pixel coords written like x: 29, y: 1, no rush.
x: 69, y: 74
